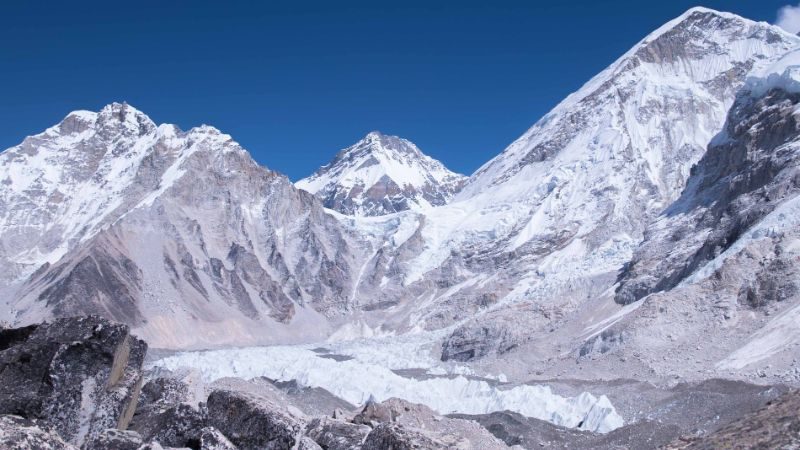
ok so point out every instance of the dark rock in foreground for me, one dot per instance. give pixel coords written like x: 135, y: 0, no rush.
x: 251, y: 422
x: 397, y: 437
x: 17, y: 433
x: 80, y: 376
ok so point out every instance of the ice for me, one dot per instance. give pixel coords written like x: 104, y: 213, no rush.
x: 369, y: 374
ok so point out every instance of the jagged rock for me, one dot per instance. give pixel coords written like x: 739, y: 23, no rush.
x: 177, y: 426
x: 213, y: 439
x: 17, y: 433
x: 251, y: 422
x: 306, y: 443
x: 397, y: 437
x: 337, y: 435
x: 79, y: 375
x: 163, y: 392
x: 375, y: 413
x: 116, y: 440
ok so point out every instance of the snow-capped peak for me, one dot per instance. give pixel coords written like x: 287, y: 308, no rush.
x: 382, y: 174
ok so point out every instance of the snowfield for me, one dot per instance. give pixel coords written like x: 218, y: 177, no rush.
x: 371, y: 373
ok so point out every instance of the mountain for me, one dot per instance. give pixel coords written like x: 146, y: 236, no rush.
x: 728, y: 247
x: 546, y: 225
x: 381, y: 175
x: 186, y: 238
x: 179, y: 234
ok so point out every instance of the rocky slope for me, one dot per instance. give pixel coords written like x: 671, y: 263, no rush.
x: 380, y: 175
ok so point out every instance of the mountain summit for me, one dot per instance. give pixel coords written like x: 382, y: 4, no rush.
x: 380, y: 175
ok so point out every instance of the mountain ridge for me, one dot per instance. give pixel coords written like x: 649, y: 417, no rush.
x: 382, y: 174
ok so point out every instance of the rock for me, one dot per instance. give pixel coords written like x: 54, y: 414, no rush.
x: 177, y: 426
x: 79, y: 375
x: 375, y: 413
x: 212, y: 439
x: 333, y: 434
x: 251, y: 422
x: 17, y: 433
x: 115, y: 439
x: 397, y: 437
x: 306, y: 443
x: 163, y: 391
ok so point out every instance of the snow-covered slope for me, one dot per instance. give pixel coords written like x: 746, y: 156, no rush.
x: 380, y: 175
x: 546, y: 225
x: 728, y: 247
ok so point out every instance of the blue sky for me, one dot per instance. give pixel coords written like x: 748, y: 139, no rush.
x: 294, y: 82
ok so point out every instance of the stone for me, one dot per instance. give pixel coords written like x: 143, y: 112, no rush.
x: 213, y: 439
x: 397, y: 437
x: 333, y: 434
x: 115, y: 439
x: 18, y: 433
x: 79, y: 375
x: 252, y: 422
x: 179, y: 425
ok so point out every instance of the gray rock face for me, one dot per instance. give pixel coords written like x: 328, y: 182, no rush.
x: 397, y: 437
x: 333, y: 434
x: 116, y: 439
x: 382, y: 175
x: 81, y: 375
x: 251, y: 422
x: 179, y: 425
x: 17, y: 433
x: 746, y: 173
x: 213, y: 439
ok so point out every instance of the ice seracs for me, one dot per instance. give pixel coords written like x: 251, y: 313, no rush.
x: 380, y: 175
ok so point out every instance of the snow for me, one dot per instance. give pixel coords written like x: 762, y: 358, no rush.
x: 785, y: 217
x: 369, y: 374
x: 378, y: 158
x: 784, y: 74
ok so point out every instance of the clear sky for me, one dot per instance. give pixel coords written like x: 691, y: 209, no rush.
x: 294, y: 82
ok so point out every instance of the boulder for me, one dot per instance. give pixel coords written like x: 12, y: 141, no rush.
x: 393, y: 436
x: 212, y: 439
x: 115, y: 439
x: 163, y: 392
x: 18, y: 433
x: 252, y: 422
x: 179, y: 425
x: 81, y: 375
x: 306, y: 443
x: 333, y: 434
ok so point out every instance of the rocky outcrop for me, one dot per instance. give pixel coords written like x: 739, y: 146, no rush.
x: 80, y: 376
x: 747, y: 172
x: 251, y: 422
x: 179, y: 425
x: 334, y: 434
x: 117, y: 440
x: 397, y: 437
x: 17, y: 433
x: 213, y: 439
